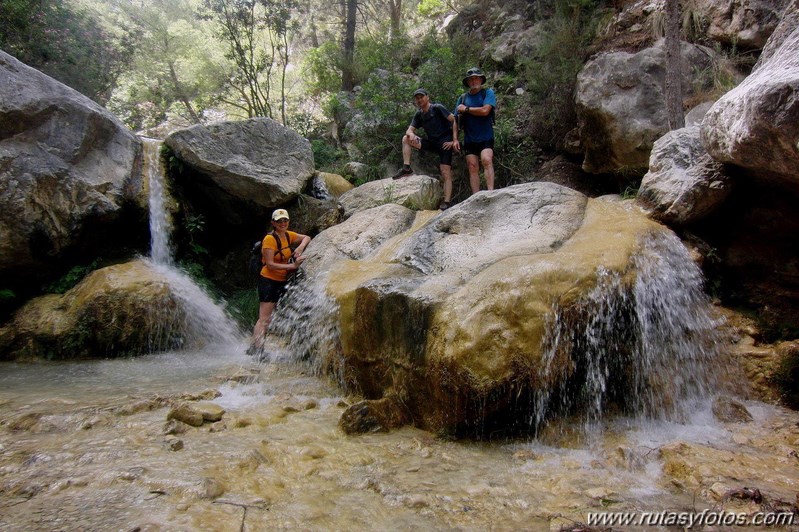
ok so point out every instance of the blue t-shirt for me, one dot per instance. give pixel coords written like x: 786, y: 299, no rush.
x: 477, y: 128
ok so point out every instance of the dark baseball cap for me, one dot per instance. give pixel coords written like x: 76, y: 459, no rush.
x: 420, y: 91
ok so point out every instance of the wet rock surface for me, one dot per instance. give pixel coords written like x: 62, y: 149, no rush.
x: 454, y: 316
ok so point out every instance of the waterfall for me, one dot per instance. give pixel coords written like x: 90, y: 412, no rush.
x: 647, y: 350
x: 307, y: 319
x: 160, y: 223
x: 203, y: 321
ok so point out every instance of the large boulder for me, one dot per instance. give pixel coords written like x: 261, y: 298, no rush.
x: 756, y: 125
x: 417, y: 192
x: 684, y: 184
x: 256, y: 160
x: 745, y: 24
x: 488, y: 312
x: 127, y: 309
x: 68, y: 168
x: 621, y: 106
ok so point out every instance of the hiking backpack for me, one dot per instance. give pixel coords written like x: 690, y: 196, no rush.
x: 256, y: 258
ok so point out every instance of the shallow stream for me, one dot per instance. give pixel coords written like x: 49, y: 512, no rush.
x: 84, y: 448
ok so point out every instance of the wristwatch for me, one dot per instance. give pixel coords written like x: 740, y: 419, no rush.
x: 467, y: 109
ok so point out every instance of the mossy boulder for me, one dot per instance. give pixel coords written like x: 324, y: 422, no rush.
x: 119, y: 310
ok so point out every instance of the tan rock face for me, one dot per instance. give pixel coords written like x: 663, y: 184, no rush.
x: 455, y: 316
x: 417, y: 192
x: 122, y: 309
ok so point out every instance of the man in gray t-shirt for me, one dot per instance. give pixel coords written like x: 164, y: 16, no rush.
x: 442, y: 138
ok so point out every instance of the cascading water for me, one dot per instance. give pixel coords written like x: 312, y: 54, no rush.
x: 307, y: 318
x: 203, y: 321
x: 644, y: 348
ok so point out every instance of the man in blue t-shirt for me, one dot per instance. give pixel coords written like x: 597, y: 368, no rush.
x: 442, y: 138
x: 474, y: 114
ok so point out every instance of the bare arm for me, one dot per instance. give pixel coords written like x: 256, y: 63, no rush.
x: 304, y: 240
x: 269, y: 259
x: 475, y: 111
x: 455, y: 145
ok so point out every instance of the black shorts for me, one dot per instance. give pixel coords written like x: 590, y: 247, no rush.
x: 269, y: 290
x: 475, y: 148
x: 444, y: 156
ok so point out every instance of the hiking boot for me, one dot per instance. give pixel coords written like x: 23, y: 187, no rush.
x: 402, y: 172
x: 444, y: 205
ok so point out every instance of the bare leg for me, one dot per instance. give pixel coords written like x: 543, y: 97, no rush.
x: 473, y: 164
x: 264, y: 318
x: 446, y: 175
x: 407, y: 149
x: 487, y: 158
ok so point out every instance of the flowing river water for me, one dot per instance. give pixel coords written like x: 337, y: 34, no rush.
x: 87, y: 446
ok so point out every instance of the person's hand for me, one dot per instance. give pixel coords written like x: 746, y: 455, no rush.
x: 298, y: 261
x: 416, y: 141
x: 462, y: 108
x: 448, y: 145
x: 456, y: 145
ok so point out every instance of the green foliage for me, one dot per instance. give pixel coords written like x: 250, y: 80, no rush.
x: 550, y: 72
x: 178, y: 69
x: 327, y: 157
x: 322, y: 68
x: 71, y: 278
x: 64, y: 42
x: 431, y: 8
x: 243, y: 307
x: 7, y: 295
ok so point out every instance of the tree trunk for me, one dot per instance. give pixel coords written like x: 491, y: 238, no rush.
x: 182, y: 94
x: 348, y: 63
x: 395, y: 8
x: 674, y: 111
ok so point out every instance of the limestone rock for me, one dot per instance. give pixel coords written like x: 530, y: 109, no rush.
x: 746, y: 25
x: 356, y: 170
x: 122, y: 309
x: 210, y: 411
x: 67, y: 168
x: 187, y: 414
x: 335, y: 184
x: 364, y: 232
x: 756, y: 125
x: 454, y: 315
x: 621, y: 104
x: 684, y: 184
x: 373, y: 416
x: 256, y: 160
x: 729, y: 410
x: 417, y: 192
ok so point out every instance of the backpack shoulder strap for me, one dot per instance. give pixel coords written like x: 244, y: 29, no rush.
x: 278, y: 242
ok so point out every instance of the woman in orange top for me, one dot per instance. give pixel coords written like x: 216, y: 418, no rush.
x: 275, y: 255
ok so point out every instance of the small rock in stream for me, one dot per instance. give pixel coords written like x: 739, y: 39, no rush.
x: 174, y: 444
x: 186, y: 414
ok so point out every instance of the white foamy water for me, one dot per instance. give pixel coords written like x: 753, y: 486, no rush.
x: 160, y: 224
x: 647, y: 349
x: 203, y: 320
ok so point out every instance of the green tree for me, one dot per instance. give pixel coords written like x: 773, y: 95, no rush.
x: 176, y: 65
x: 257, y: 35
x: 65, y: 42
